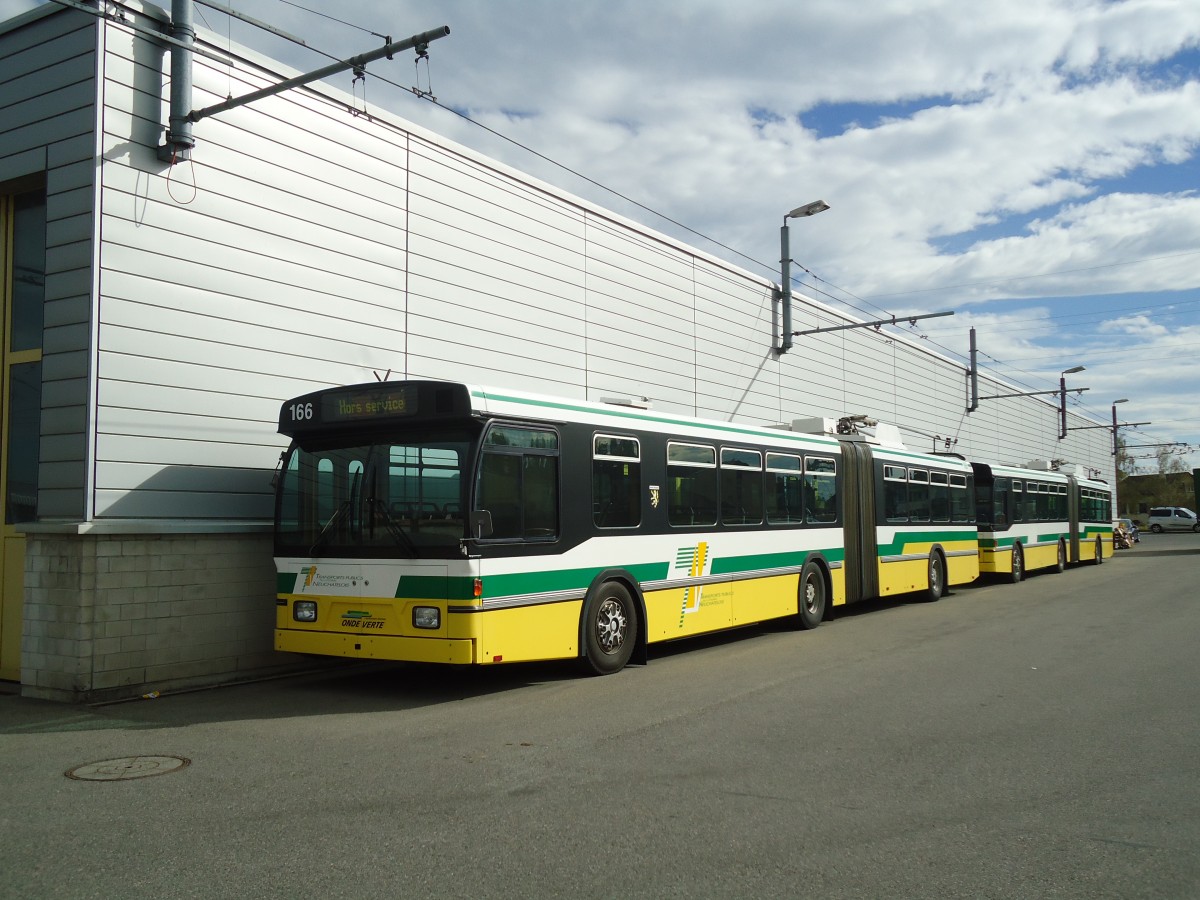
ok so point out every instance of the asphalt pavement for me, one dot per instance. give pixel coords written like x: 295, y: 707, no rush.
x: 1031, y: 740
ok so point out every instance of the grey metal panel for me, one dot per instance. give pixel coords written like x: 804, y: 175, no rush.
x: 135, y: 372
x: 63, y: 204
x: 69, y: 230
x: 65, y: 285
x: 152, y: 504
x: 173, y: 452
x: 60, y: 366
x: 64, y: 420
x: 37, y: 133
x: 51, y: 38
x: 202, y: 400
x: 64, y: 257
x: 65, y: 152
x: 64, y: 503
x: 129, y: 476
x: 65, y: 338
x: 66, y: 392
x: 59, y: 447
x: 21, y: 163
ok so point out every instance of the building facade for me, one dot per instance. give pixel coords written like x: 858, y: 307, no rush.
x: 156, y: 314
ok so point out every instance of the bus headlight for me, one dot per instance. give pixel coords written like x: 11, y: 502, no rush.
x: 427, y: 617
x: 304, y: 610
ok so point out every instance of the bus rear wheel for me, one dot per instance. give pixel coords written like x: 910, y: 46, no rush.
x: 813, y: 597
x: 1099, y: 560
x: 1018, y: 565
x: 610, y: 629
x: 937, y: 578
x: 1061, y: 565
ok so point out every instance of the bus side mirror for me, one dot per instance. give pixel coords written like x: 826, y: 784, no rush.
x: 480, y: 521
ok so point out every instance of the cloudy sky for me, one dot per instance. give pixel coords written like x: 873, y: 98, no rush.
x: 1031, y: 165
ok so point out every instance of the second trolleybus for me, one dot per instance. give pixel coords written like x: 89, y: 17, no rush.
x: 1040, y: 518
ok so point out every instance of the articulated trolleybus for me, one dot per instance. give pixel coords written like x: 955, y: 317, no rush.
x: 437, y: 522
x: 1040, y: 518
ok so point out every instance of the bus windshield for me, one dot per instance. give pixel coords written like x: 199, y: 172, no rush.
x: 403, y: 497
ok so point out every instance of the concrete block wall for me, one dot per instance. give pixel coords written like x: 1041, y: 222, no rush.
x: 111, y: 615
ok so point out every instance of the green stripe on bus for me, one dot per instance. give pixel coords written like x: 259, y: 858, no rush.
x: 285, y: 582
x: 903, y: 539
x: 758, y: 562
x: 523, y: 583
x: 435, y: 587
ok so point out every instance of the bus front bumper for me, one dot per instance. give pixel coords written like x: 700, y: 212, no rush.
x: 390, y: 647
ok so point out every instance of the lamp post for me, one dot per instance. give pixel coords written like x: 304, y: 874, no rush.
x: 785, y: 263
x: 1062, y: 399
x: 1114, y: 412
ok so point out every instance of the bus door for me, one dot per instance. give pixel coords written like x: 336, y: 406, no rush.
x: 1073, y: 514
x: 858, y: 517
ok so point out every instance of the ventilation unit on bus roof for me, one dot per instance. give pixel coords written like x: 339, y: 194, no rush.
x: 632, y: 402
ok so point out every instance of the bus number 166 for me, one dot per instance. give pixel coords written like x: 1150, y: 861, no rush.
x: 301, y: 412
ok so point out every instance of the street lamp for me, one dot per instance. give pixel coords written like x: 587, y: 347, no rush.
x: 1062, y: 399
x: 785, y: 262
x: 1114, y: 412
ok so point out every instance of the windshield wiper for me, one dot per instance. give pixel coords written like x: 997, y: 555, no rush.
x: 342, y: 509
x: 399, y: 535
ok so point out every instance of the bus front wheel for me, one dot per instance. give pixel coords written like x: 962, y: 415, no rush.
x: 610, y: 629
x: 1099, y: 560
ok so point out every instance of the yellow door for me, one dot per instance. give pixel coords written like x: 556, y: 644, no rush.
x: 22, y: 289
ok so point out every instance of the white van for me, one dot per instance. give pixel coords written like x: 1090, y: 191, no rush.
x: 1173, y: 518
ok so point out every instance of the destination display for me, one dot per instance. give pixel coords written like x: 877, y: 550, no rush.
x: 374, y: 404
x: 360, y: 405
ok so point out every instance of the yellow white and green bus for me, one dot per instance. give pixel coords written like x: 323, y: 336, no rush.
x: 439, y: 522
x: 1040, y: 518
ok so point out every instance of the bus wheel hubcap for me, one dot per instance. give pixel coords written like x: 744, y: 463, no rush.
x: 610, y: 626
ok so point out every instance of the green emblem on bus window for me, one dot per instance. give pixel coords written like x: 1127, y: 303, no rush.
x: 356, y: 614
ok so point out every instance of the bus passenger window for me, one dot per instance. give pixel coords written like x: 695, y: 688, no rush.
x: 741, y: 487
x: 785, y: 489
x: 616, y: 482
x: 820, y: 490
x: 895, y: 493
x: 691, y: 484
x: 918, y: 495
x: 960, y: 500
x: 939, y: 497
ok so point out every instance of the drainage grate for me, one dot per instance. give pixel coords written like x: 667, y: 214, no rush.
x: 128, y: 767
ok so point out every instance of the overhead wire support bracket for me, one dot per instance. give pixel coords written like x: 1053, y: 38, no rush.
x: 418, y: 41
x: 878, y: 323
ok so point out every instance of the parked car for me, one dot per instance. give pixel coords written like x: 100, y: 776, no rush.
x: 1131, y: 529
x: 1173, y: 518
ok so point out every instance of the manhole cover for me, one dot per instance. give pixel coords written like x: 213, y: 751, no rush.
x: 128, y: 767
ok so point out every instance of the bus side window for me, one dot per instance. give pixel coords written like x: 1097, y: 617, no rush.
x: 518, y: 482
x: 895, y: 493
x: 741, y: 486
x: 820, y: 490
x: 691, y: 484
x: 785, y: 489
x: 616, y: 481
